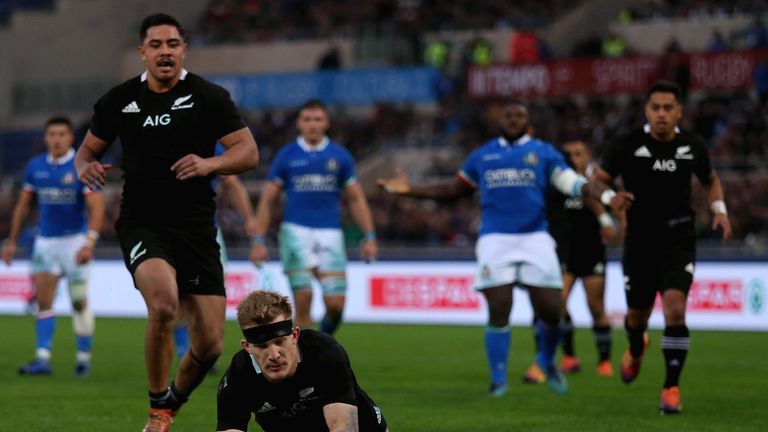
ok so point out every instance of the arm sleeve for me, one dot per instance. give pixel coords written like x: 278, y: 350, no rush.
x: 469, y: 172
x: 231, y: 412
x: 702, y: 163
x: 347, y: 175
x: 223, y: 113
x: 278, y: 171
x: 104, y: 123
x: 339, y: 380
x: 29, y: 179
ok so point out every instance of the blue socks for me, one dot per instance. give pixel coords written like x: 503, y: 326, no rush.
x: 328, y: 325
x: 181, y: 339
x: 45, y: 325
x: 497, y: 341
x: 549, y: 336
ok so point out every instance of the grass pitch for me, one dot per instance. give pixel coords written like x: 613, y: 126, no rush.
x: 425, y: 378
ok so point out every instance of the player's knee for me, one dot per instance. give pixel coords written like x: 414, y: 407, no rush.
x: 163, y: 312
x: 334, y: 285
x: 79, y: 305
x: 300, y: 280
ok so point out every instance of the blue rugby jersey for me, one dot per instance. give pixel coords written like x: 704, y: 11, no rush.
x: 512, y: 178
x: 313, y: 179
x: 60, y: 195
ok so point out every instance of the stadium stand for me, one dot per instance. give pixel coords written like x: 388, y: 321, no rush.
x: 733, y: 123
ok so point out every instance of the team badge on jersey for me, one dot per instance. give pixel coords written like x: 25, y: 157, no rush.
x: 531, y: 159
x: 332, y: 165
x: 68, y: 179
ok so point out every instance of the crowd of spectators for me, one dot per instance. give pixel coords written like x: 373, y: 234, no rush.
x: 735, y: 126
x: 240, y: 21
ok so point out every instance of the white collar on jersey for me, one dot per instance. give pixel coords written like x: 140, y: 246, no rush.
x: 307, y: 147
x: 62, y: 160
x: 647, y: 129
x: 256, y: 364
x: 520, y: 141
x: 184, y: 73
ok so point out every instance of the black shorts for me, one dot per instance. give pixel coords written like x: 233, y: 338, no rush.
x: 587, y: 259
x: 655, y: 264
x: 191, y: 249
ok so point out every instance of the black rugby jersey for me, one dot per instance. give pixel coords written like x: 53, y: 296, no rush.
x: 323, y: 376
x: 158, y: 129
x: 659, y: 174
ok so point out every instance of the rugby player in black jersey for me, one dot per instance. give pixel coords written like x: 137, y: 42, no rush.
x: 168, y: 121
x: 290, y: 379
x: 656, y: 164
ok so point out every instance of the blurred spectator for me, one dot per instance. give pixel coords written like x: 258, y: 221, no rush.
x: 757, y: 34
x: 760, y: 77
x: 524, y: 47
x: 614, y: 46
x: 717, y: 42
x: 330, y: 59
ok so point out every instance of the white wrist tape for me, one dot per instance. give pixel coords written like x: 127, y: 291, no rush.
x: 718, y: 207
x: 607, y: 196
x: 605, y: 220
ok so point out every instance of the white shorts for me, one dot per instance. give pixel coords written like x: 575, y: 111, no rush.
x: 525, y: 259
x: 56, y: 255
x: 303, y: 248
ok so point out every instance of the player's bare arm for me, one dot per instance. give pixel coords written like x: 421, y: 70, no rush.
x: 598, y: 187
x: 361, y: 213
x: 399, y: 185
x: 89, y: 170
x: 269, y: 195
x: 717, y: 205
x: 341, y: 417
x: 241, y: 155
x: 20, y: 213
x: 94, y: 205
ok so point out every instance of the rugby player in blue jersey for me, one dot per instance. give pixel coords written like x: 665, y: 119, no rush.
x: 315, y: 174
x: 71, y: 216
x: 512, y: 173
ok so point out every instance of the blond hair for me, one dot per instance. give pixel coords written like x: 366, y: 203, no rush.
x: 262, y: 307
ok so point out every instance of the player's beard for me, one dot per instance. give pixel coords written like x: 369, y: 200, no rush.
x: 513, y: 138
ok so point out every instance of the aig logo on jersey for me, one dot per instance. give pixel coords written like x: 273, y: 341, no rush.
x: 665, y: 165
x: 157, y: 120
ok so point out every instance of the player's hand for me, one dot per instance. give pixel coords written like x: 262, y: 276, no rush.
x: 622, y: 201
x: 721, y: 221
x: 259, y: 254
x: 84, y: 255
x: 9, y: 250
x: 369, y: 250
x: 94, y: 175
x: 191, y: 166
x: 397, y: 185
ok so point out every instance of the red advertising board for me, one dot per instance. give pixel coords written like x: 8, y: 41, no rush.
x: 727, y: 70
x: 238, y: 285
x: 424, y: 292
x: 15, y: 287
x: 715, y: 295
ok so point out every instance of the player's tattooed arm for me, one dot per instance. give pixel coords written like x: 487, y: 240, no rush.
x: 597, y: 187
x: 341, y: 417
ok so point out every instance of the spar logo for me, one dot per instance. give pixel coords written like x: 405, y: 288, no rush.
x: 756, y: 296
x: 424, y: 292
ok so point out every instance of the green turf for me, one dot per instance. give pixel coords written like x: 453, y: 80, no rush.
x: 425, y: 378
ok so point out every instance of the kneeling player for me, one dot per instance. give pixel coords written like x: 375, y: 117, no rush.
x: 291, y: 379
